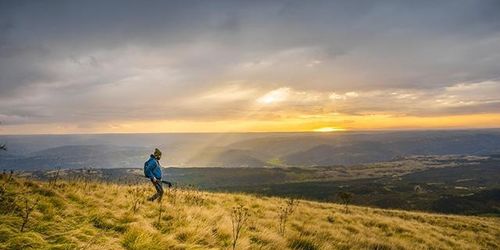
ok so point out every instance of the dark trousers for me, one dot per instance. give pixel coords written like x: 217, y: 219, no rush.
x: 159, y: 191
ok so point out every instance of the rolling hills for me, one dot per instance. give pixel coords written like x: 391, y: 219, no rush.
x: 239, y: 150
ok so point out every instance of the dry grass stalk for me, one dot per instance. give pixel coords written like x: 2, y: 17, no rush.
x: 27, y: 210
x: 239, y: 217
x: 136, y: 194
x: 284, y: 212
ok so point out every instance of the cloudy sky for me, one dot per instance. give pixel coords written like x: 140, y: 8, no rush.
x: 199, y: 66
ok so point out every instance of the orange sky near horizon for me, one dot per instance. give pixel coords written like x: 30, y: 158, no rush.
x: 333, y: 124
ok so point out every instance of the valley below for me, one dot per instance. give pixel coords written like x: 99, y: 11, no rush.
x: 445, y: 184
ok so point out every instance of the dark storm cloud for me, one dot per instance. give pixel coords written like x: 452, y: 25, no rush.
x: 78, y: 60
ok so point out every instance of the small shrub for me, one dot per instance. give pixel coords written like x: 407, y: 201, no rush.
x: 330, y: 219
x: 345, y: 197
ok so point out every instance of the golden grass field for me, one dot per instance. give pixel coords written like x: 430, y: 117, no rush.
x: 91, y: 215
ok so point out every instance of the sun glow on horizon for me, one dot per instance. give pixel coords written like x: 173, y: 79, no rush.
x: 329, y: 129
x: 294, y: 124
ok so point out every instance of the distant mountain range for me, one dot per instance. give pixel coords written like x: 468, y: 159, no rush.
x: 77, y: 156
x: 239, y: 150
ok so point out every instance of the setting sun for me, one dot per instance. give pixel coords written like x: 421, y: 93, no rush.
x: 329, y: 129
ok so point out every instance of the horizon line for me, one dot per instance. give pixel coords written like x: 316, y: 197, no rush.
x: 267, y: 132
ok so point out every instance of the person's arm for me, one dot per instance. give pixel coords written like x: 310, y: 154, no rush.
x: 154, y: 168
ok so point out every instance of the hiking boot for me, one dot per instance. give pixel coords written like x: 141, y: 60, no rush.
x: 154, y: 197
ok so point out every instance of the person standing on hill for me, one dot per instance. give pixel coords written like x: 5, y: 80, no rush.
x: 152, y: 170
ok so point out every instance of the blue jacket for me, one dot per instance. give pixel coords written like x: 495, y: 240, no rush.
x: 152, y: 168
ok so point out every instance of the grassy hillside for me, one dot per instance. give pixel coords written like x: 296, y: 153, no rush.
x: 90, y: 215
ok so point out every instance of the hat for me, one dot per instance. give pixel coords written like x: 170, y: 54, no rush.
x: 157, y: 153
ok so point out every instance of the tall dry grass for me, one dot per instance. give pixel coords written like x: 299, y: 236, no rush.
x: 91, y: 215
